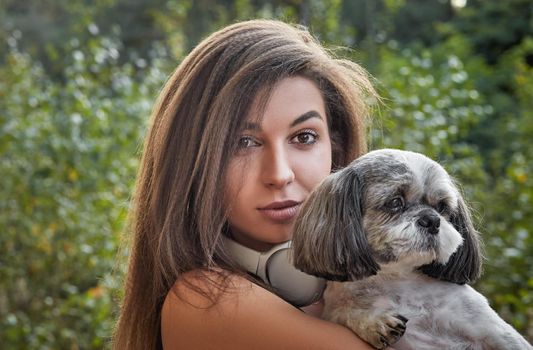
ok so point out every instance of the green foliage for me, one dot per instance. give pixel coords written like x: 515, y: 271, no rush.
x: 495, y: 26
x: 432, y: 99
x: 68, y: 154
x: 508, y: 218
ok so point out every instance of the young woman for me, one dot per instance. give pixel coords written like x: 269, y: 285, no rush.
x: 249, y: 123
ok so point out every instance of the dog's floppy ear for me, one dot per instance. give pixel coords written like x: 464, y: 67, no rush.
x: 464, y: 266
x: 328, y: 238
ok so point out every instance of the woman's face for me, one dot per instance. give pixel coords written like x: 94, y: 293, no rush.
x: 278, y: 162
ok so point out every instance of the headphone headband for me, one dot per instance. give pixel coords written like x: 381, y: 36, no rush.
x: 275, y: 268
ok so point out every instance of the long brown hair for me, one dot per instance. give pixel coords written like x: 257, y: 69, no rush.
x: 177, y: 216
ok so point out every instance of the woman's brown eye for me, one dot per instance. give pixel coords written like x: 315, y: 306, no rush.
x: 246, y: 142
x: 306, y: 138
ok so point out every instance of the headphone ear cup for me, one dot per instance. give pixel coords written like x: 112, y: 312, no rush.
x: 293, y: 285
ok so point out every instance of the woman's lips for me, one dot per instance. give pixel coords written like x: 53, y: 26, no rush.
x: 281, y: 211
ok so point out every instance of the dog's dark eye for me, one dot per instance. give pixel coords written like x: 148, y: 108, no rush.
x: 395, y: 204
x: 442, y: 207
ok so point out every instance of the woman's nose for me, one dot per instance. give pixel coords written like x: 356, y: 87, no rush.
x: 277, y: 171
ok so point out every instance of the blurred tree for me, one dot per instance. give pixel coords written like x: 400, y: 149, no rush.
x: 46, y: 30
x: 68, y: 155
x: 495, y: 26
x: 405, y: 21
x: 509, y: 216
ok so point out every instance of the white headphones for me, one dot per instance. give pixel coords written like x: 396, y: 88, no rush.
x: 274, y: 267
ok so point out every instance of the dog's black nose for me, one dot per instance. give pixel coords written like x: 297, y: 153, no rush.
x: 429, y: 221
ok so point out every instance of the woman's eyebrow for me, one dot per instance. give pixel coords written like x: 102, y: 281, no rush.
x: 300, y: 119
x: 305, y: 116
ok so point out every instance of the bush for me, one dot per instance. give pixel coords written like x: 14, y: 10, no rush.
x: 69, y: 155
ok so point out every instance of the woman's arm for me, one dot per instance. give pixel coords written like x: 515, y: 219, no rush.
x: 249, y: 318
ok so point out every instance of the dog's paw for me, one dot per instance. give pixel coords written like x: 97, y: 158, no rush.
x: 381, y: 331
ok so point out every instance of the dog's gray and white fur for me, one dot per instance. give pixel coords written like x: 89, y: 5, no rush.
x: 394, y: 232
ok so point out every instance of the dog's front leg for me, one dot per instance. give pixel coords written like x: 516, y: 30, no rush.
x: 373, y: 317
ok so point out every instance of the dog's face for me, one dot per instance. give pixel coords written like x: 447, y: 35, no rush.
x: 388, y: 208
x: 407, y: 203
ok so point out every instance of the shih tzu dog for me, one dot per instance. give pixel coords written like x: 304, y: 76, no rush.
x: 395, y: 234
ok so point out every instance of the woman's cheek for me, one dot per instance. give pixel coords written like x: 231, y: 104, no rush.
x: 316, y: 166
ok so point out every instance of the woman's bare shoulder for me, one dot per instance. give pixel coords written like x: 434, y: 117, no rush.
x: 192, y: 287
x: 245, y: 316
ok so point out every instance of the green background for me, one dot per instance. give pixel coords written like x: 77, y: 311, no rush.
x: 78, y: 80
